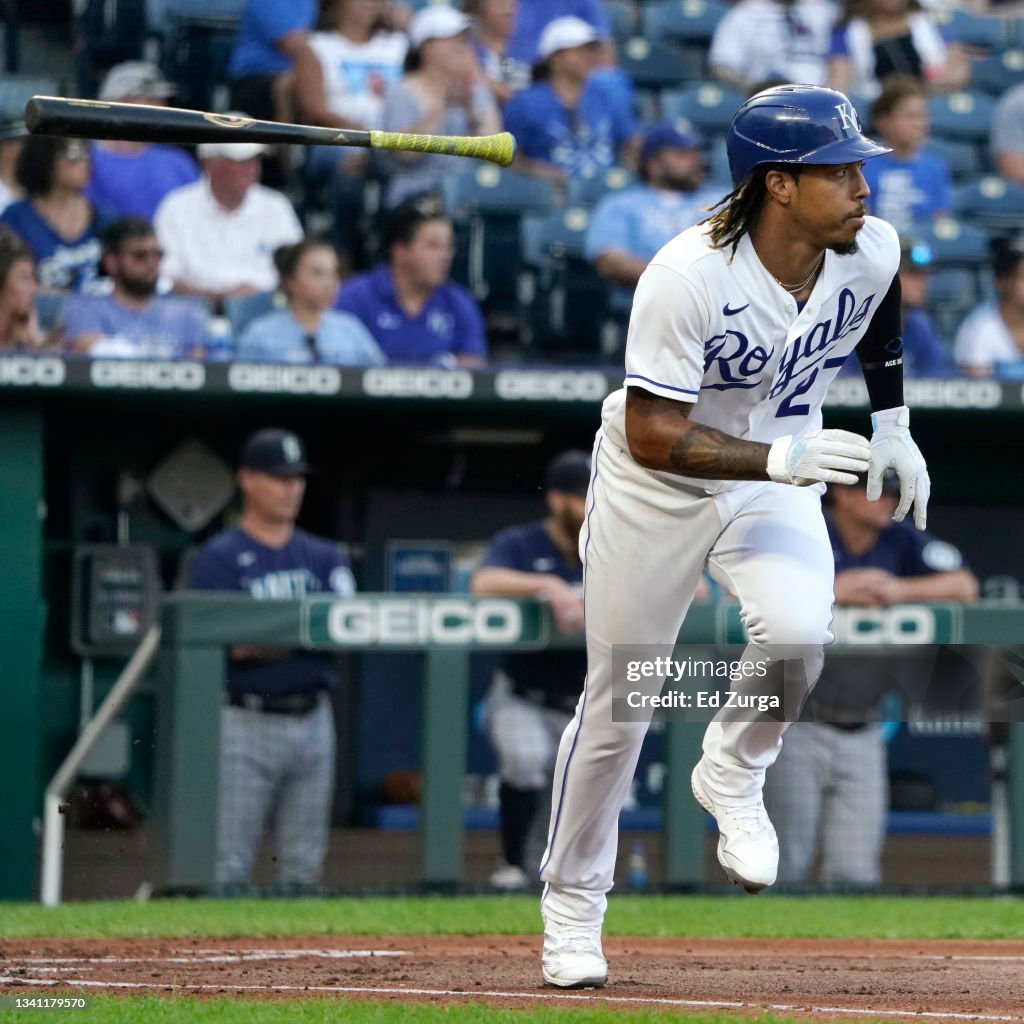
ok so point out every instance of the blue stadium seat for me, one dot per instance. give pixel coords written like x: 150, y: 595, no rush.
x: 570, y: 315
x: 708, y: 107
x: 982, y: 31
x: 490, y: 189
x: 242, y: 311
x: 690, y: 22
x: 654, y: 65
x: 963, y: 158
x: 17, y: 90
x: 992, y: 203
x: 965, y: 116
x: 200, y: 38
x: 622, y: 17
x: 48, y: 305
x: 953, y: 244
x: 590, y: 191
x: 998, y: 72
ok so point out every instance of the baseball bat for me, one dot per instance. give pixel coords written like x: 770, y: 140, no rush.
x: 135, y: 122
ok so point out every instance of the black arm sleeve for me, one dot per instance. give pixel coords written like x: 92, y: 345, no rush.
x: 880, y: 352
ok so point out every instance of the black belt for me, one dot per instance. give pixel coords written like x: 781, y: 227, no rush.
x: 282, y: 704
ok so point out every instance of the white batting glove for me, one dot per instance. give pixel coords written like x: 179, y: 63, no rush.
x: 893, y: 448
x: 826, y: 456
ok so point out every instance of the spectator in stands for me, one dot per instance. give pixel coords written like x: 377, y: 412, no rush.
x: 532, y: 697
x: 830, y: 783
x: 277, y: 729
x: 877, y: 38
x: 19, y: 325
x: 990, y: 341
x: 565, y: 124
x: 133, y: 321
x: 12, y: 137
x: 443, y: 92
x: 908, y: 185
x: 219, y: 233
x: 341, y: 80
x: 416, y: 313
x: 493, y: 24
x: 309, y: 330
x: 762, y: 40
x: 925, y: 353
x: 271, y: 36
x: 131, y: 178
x: 534, y: 16
x: 1007, y: 141
x: 59, y: 224
x: 630, y: 226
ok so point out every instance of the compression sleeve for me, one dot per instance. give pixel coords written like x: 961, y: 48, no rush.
x: 880, y: 352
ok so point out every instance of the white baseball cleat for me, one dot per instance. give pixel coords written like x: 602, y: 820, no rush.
x: 572, y: 956
x: 510, y: 878
x: 748, y: 848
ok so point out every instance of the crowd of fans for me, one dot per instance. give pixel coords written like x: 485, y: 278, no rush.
x: 347, y: 256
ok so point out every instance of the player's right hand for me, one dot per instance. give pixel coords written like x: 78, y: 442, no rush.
x: 826, y: 456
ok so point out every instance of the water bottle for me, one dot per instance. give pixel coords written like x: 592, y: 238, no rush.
x: 637, y: 877
x: 220, y: 345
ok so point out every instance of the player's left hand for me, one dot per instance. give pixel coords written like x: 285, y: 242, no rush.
x: 893, y: 448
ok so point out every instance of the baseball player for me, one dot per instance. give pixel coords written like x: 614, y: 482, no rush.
x: 713, y: 453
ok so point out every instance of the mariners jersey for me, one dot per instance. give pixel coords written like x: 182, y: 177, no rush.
x: 719, y: 331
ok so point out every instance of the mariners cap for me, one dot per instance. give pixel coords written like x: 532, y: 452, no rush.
x: 436, y: 21
x: 565, y: 34
x: 135, y: 79
x: 276, y: 453
x: 669, y: 135
x: 569, y: 472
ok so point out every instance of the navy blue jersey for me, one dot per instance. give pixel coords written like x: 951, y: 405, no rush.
x: 901, y: 549
x: 552, y: 678
x: 232, y: 560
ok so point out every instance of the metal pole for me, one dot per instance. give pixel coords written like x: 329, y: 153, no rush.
x: 53, y: 820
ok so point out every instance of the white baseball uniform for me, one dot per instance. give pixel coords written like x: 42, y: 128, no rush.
x: 717, y: 330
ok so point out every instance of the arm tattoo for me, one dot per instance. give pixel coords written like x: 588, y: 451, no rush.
x: 704, y: 452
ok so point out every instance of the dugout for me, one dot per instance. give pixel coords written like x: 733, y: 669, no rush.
x: 411, y: 454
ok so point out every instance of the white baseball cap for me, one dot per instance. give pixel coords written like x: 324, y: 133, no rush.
x: 135, y: 79
x: 565, y: 34
x: 437, y: 21
x: 230, y: 150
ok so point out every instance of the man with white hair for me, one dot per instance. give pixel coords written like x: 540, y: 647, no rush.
x: 219, y: 234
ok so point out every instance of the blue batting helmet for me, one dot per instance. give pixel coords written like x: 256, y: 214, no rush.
x: 796, y: 124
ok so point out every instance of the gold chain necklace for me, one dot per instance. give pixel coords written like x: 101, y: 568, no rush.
x: 797, y: 288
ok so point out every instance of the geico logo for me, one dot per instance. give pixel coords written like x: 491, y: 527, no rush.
x: 159, y: 376
x: 557, y: 387
x: 25, y: 370
x: 955, y: 394
x: 903, y: 624
x: 296, y: 380
x: 418, y: 383
x: 423, y: 622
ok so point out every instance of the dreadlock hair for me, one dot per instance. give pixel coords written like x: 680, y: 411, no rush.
x: 738, y: 212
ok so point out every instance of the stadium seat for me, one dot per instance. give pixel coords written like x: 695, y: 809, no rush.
x: 981, y: 31
x: 689, y: 22
x: 992, y: 203
x: 963, y: 158
x: 17, y: 90
x: 569, y: 310
x: 621, y: 16
x: 654, y: 65
x: 242, y: 311
x: 590, y: 191
x: 201, y: 35
x: 953, y: 244
x: 487, y: 205
x: 998, y: 72
x: 48, y: 305
x: 708, y: 107
x: 964, y: 116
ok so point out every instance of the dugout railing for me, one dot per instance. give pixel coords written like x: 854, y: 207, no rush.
x: 445, y: 630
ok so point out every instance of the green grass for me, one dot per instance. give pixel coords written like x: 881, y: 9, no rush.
x: 767, y: 916
x: 153, y: 1010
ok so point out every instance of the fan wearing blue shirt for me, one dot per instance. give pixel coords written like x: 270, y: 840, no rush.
x: 309, y: 331
x: 829, y: 785
x: 277, y: 727
x: 907, y: 185
x: 569, y: 123
x: 417, y: 314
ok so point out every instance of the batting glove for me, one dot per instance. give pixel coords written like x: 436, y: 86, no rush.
x: 893, y: 448
x: 826, y: 456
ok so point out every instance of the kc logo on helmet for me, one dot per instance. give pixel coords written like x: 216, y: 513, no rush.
x: 848, y: 116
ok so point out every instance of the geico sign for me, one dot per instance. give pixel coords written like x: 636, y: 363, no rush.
x: 902, y: 624
x: 296, y: 380
x: 420, y: 622
x: 22, y: 371
x: 399, y: 383
x: 564, y: 386
x: 159, y: 376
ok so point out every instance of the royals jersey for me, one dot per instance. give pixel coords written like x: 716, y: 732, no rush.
x: 722, y: 333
